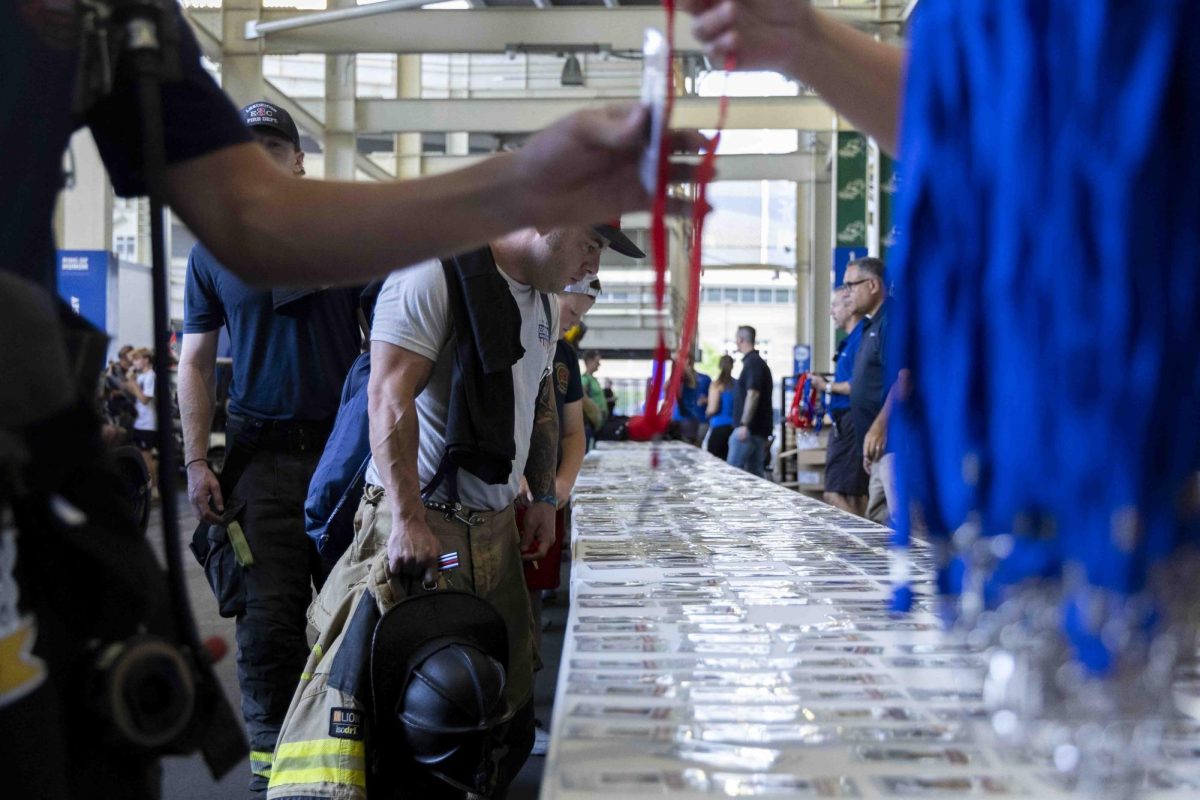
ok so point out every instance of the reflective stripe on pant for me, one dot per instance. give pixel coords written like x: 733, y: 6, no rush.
x: 320, y: 761
x: 310, y: 763
x: 271, y: 634
x: 260, y: 763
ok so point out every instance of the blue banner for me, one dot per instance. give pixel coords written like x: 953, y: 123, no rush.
x: 87, y: 281
x: 801, y: 359
x: 841, y: 257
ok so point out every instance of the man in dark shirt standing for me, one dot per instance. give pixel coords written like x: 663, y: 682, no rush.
x: 291, y: 350
x: 751, y: 408
x: 869, y: 387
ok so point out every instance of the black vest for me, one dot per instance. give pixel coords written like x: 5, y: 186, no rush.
x: 487, y: 342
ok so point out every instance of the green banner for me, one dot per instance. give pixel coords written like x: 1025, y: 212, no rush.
x: 887, y: 196
x: 850, y: 193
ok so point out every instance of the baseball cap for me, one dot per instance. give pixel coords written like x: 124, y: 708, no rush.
x: 617, y: 240
x: 589, y: 286
x: 268, y: 115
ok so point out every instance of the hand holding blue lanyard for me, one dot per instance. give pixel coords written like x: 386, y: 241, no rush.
x: 1049, y: 243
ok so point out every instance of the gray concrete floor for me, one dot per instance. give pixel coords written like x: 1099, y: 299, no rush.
x: 186, y: 778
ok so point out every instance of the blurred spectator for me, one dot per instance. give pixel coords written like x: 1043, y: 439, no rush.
x: 119, y: 406
x: 719, y: 409
x: 688, y: 420
x: 610, y: 397
x: 124, y: 361
x: 140, y: 384
x: 751, y: 408
x: 595, y: 408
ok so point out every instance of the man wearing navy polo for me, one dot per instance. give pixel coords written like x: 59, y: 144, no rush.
x: 291, y: 349
x: 867, y: 289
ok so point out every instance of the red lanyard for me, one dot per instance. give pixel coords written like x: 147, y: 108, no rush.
x: 795, y: 418
x: 804, y: 413
x: 657, y: 417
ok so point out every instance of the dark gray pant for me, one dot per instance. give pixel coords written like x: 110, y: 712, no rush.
x: 271, y: 635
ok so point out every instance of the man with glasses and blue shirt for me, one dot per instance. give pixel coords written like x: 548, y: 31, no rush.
x: 867, y: 290
x: 845, y: 480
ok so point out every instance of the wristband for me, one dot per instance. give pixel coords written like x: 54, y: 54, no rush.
x: 551, y: 499
x: 193, y: 461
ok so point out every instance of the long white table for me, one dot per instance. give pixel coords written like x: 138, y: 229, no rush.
x: 729, y: 638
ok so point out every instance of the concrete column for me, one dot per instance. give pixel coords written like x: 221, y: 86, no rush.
x: 241, y: 61
x: 83, y: 220
x: 821, y: 215
x: 458, y: 144
x: 340, y: 141
x: 144, y: 252
x: 679, y: 261
x: 408, y: 145
x: 804, y: 263
x: 341, y: 87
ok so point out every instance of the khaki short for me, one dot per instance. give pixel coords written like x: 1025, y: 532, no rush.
x: 881, y: 498
x: 490, y: 567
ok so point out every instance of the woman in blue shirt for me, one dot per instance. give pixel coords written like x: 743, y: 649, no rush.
x: 720, y: 409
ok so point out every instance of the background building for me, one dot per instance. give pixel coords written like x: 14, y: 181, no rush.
x: 452, y: 93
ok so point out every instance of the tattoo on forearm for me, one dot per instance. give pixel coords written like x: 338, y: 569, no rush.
x: 751, y: 407
x: 542, y: 464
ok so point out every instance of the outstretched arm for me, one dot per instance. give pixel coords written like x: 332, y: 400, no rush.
x: 860, y: 77
x: 270, y: 228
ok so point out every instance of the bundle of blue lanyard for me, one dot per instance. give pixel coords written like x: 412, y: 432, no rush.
x: 1049, y: 267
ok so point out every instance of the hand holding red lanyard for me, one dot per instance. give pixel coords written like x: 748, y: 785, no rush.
x: 795, y: 417
x: 803, y: 413
x: 658, y: 416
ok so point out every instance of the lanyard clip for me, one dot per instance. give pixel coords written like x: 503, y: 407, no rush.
x: 470, y: 520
